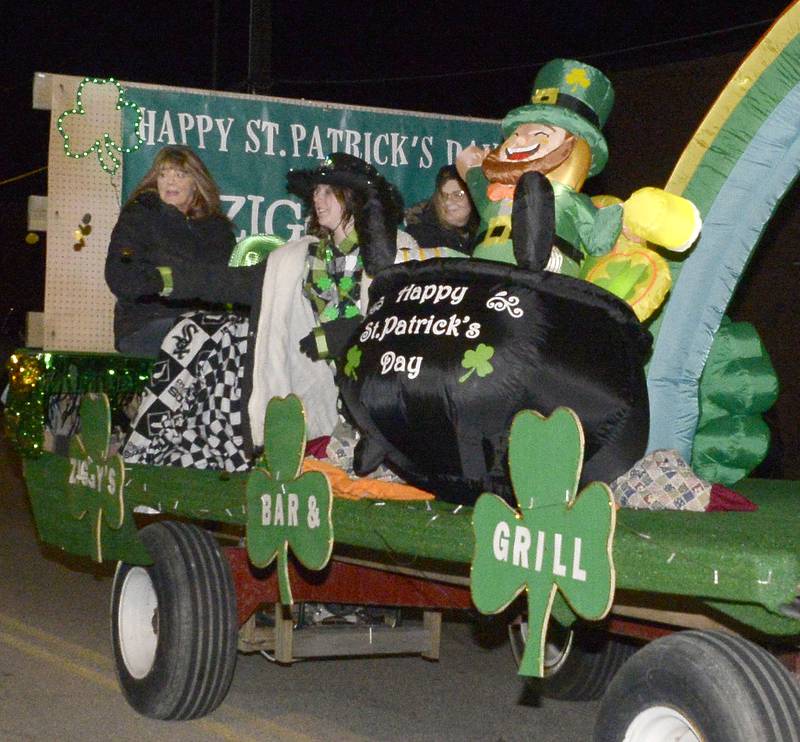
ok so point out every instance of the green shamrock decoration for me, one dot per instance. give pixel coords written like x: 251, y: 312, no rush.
x: 104, y: 145
x: 353, y: 362
x: 284, y: 509
x: 477, y: 360
x: 554, y: 541
x: 96, y: 480
x: 621, y: 278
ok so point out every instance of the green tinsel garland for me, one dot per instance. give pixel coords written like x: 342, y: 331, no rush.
x: 34, y: 376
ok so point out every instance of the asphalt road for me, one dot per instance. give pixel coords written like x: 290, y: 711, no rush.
x: 57, y: 679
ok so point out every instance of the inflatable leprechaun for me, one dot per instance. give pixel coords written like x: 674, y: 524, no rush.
x: 533, y: 214
x: 547, y: 314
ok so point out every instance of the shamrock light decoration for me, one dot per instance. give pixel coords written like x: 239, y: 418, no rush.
x: 285, y: 508
x: 96, y: 479
x: 554, y: 541
x: 103, y: 145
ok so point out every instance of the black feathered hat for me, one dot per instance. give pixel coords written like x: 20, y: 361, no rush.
x: 382, y: 210
x: 347, y: 171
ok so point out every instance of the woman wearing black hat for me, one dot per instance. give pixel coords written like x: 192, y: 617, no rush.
x: 315, y: 288
x: 313, y: 297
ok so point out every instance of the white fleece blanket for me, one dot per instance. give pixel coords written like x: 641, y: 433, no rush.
x: 286, y: 317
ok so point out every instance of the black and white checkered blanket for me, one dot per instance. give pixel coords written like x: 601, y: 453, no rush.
x: 191, y: 411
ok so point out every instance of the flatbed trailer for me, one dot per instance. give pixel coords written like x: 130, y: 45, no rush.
x: 732, y: 578
x: 714, y: 597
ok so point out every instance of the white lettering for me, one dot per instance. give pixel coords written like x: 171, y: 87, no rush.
x: 278, y: 514
x: 558, y: 568
x: 295, y: 230
x: 167, y: 130
x: 204, y: 125
x: 252, y: 128
x: 299, y: 133
x: 577, y: 573
x: 73, y: 471
x: 255, y: 203
x: 236, y: 204
x: 387, y: 362
x: 147, y: 126
x: 522, y: 543
x: 352, y: 140
x: 539, y: 551
x: 185, y: 124
x: 398, y: 153
x: 453, y: 150
x: 293, y: 502
x: 377, y: 157
x: 335, y: 137
x: 391, y: 361
x: 428, y: 292
x: 315, y: 148
x: 266, y: 510
x: 500, y: 541
x: 439, y: 293
x: 223, y: 133
x: 426, y: 158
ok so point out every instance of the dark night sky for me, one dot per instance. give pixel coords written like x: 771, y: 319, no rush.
x: 461, y: 58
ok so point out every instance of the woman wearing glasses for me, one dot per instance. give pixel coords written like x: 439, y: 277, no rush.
x: 448, y: 219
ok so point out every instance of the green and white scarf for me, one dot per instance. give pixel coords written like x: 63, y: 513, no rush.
x: 334, y: 278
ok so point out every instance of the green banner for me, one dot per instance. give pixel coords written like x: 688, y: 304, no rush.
x: 249, y: 143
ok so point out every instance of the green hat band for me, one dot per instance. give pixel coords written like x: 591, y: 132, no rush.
x: 574, y: 96
x: 565, y: 100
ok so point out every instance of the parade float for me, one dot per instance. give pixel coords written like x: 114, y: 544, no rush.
x: 683, y: 620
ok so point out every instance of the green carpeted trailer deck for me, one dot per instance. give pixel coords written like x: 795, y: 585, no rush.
x: 713, y: 595
x: 741, y: 565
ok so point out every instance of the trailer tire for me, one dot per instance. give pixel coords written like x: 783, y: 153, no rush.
x: 701, y: 685
x: 174, y: 624
x: 579, y: 663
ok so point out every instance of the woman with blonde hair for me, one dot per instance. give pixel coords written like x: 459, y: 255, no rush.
x: 204, y: 192
x: 169, y: 253
x: 205, y: 405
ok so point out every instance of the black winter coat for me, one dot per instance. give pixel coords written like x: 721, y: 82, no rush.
x: 149, y: 234
x: 424, y: 226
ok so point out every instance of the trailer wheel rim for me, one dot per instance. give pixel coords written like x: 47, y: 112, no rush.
x: 557, y: 646
x: 661, y: 724
x: 138, y: 622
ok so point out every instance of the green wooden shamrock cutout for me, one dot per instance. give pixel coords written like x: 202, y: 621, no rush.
x: 96, y: 480
x: 554, y: 541
x: 284, y: 509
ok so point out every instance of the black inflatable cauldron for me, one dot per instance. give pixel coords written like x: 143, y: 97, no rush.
x: 451, y: 349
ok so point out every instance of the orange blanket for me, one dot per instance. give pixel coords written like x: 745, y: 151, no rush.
x: 356, y: 489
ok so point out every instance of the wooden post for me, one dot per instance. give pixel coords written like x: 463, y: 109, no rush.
x: 432, y: 622
x: 284, y: 626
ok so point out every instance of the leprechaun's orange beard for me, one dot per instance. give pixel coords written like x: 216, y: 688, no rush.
x: 498, y: 169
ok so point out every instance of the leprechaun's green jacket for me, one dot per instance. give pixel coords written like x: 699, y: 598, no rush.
x: 578, y: 221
